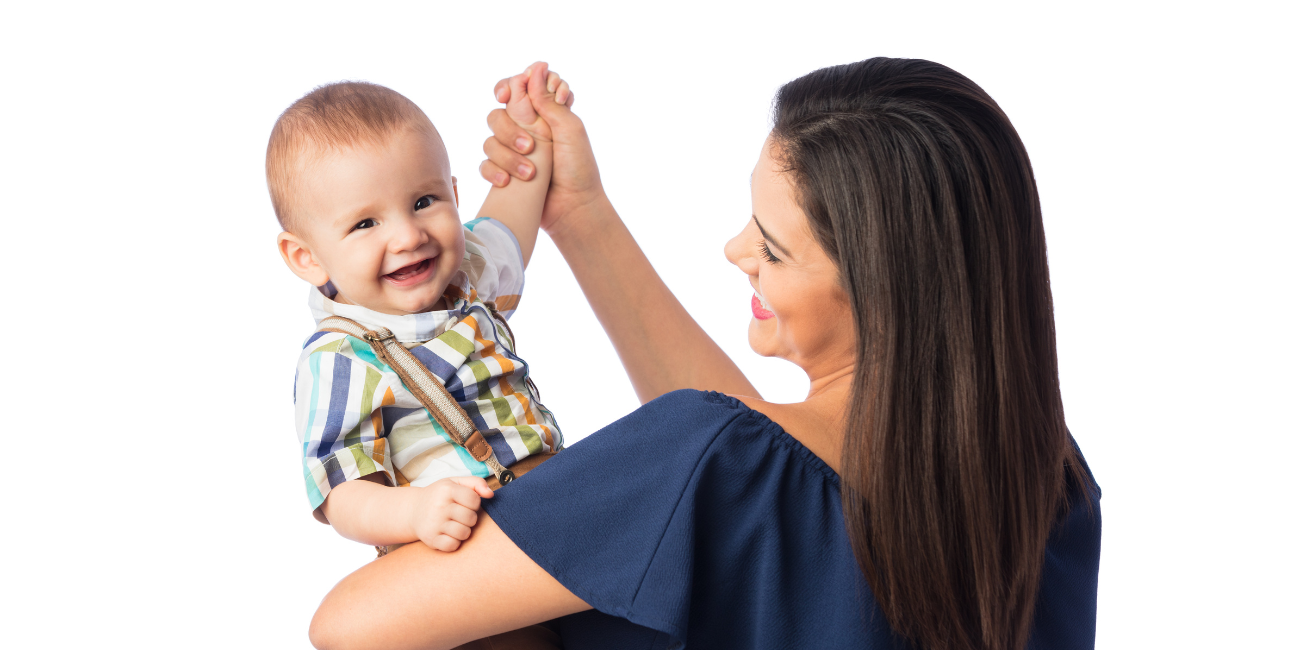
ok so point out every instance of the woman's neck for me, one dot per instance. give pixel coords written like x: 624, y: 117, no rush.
x: 834, y: 385
x: 818, y: 421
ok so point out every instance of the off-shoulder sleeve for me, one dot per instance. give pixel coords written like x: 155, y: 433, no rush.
x: 698, y: 522
x: 695, y: 517
x: 595, y: 514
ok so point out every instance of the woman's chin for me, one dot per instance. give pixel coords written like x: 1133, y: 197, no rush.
x: 759, y: 341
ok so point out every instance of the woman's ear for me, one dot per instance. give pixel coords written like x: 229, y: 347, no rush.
x: 298, y: 257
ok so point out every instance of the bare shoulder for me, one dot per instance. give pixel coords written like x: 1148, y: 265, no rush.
x: 805, y: 422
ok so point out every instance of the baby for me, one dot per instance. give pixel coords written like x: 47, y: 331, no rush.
x: 361, y: 183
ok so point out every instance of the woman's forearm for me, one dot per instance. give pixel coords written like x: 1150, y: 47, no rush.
x: 416, y: 597
x: 662, y: 348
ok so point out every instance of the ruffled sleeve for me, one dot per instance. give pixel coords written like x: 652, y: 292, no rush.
x: 698, y: 522
x: 701, y: 520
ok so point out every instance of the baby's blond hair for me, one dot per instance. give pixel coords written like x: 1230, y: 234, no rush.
x: 334, y: 116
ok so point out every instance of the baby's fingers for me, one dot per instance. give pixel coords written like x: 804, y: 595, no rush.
x: 519, y: 107
x: 462, y: 515
x: 455, y: 530
x: 444, y: 543
x: 475, y: 483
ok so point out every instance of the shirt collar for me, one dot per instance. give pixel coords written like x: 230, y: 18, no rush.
x: 408, y: 328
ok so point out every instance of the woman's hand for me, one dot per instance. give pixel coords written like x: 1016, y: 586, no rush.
x: 575, y: 180
x: 661, y: 346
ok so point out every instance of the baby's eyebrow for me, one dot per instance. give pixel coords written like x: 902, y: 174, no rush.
x: 769, y: 237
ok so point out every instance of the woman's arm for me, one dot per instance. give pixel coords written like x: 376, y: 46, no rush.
x: 416, y: 597
x: 662, y: 348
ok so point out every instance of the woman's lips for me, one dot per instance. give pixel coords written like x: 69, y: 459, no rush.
x: 412, y: 273
x: 756, y: 304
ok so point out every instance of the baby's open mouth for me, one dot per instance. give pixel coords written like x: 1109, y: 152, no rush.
x: 411, y: 272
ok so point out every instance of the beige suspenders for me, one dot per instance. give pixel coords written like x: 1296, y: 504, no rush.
x: 429, y: 389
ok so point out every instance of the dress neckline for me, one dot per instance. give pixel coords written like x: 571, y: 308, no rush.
x: 782, y: 436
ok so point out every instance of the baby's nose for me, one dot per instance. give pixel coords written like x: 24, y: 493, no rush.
x: 407, y: 235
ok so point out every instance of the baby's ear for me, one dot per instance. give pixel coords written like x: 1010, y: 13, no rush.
x: 298, y: 257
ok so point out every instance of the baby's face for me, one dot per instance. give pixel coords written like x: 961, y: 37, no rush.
x: 382, y: 222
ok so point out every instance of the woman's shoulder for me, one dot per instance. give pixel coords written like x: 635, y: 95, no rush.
x: 692, y: 506
x: 736, y: 426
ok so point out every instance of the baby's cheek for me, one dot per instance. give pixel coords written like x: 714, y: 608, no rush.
x: 455, y: 244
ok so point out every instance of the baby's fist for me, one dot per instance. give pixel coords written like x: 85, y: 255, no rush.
x: 531, y: 91
x: 448, y: 511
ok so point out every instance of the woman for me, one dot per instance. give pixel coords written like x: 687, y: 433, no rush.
x: 926, y: 491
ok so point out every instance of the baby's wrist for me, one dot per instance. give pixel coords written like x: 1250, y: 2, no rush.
x: 413, y: 508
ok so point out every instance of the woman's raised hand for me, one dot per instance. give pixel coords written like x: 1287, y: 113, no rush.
x: 575, y: 180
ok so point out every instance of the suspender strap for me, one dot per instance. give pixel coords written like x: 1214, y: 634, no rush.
x: 427, y: 388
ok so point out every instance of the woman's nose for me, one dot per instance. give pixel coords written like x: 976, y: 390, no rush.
x: 741, y: 255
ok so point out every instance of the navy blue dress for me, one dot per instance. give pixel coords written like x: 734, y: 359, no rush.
x: 698, y: 522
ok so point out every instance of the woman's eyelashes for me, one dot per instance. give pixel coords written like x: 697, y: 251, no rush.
x: 425, y: 201
x: 767, y: 253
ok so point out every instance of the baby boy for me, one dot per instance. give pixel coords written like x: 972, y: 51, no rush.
x: 362, y: 186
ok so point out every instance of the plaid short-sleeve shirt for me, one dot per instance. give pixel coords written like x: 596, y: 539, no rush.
x: 355, y: 417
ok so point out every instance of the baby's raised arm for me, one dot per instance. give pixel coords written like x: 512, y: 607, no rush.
x: 519, y: 205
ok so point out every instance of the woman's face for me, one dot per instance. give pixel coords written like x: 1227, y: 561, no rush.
x: 800, y: 312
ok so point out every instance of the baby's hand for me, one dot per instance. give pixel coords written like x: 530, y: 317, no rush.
x: 526, y: 91
x: 448, y: 511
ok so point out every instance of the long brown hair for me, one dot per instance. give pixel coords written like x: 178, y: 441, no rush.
x: 956, y: 455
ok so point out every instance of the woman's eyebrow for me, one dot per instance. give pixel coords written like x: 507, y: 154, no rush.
x: 769, y: 238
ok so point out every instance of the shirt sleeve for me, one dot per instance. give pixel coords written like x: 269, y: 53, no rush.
x: 338, y: 395
x: 494, y: 263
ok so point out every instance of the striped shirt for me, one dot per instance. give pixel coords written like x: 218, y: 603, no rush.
x: 355, y: 417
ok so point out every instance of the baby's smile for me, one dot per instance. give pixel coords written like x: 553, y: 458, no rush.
x: 383, y: 223
x: 413, y: 274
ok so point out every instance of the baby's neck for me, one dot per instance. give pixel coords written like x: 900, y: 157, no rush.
x: 441, y: 305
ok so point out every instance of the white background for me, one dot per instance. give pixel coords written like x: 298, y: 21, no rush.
x: 152, y: 491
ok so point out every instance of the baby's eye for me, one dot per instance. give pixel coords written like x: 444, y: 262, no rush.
x: 425, y: 201
x: 365, y: 223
